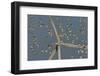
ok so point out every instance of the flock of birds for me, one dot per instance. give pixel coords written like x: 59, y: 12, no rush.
x: 67, y: 35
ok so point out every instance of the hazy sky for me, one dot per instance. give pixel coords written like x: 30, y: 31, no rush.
x: 42, y: 39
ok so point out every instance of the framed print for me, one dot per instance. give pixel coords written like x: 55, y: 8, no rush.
x: 52, y: 37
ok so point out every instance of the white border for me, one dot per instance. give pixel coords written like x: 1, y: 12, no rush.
x: 24, y: 64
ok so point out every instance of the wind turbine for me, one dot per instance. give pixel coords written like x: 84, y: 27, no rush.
x: 59, y: 43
